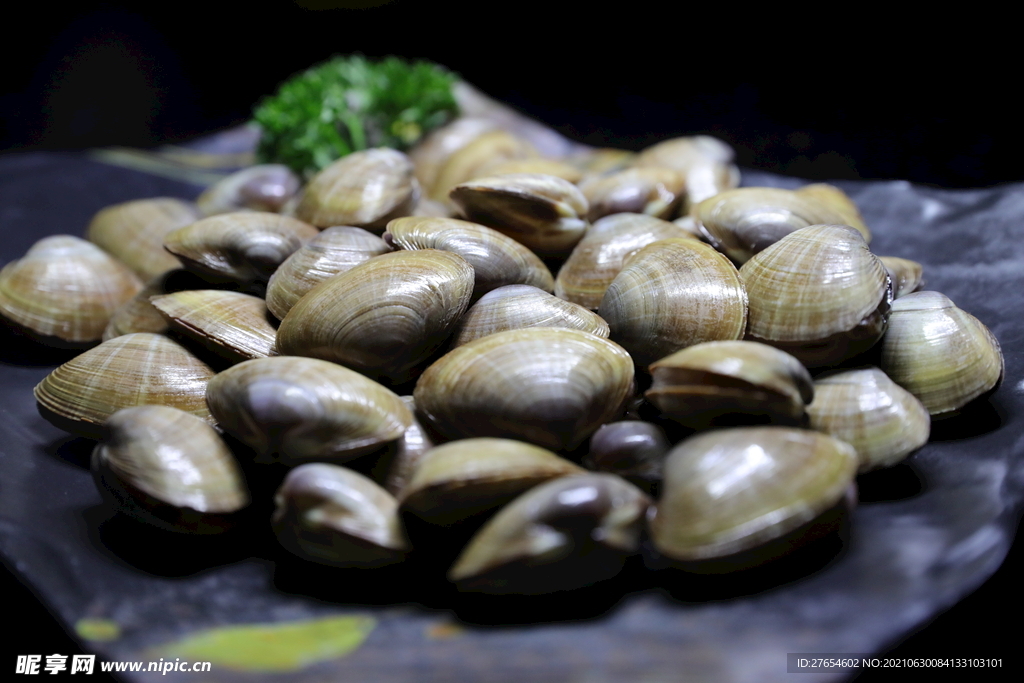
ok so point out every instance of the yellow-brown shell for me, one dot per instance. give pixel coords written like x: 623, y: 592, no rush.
x: 839, y: 201
x: 131, y: 370
x: 65, y: 288
x: 133, y: 232
x: 549, y: 386
x: 233, y: 324
x: 672, y: 294
x: 706, y: 163
x: 906, y: 275
x: 466, y: 163
x: 654, y: 191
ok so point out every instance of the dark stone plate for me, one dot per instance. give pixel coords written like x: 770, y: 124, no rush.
x: 927, y: 532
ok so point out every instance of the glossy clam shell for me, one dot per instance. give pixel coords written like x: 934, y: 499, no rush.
x: 706, y: 163
x: 867, y: 410
x: 709, y: 380
x: 335, y: 516
x: 730, y: 490
x: 466, y: 163
x: 497, y: 260
x: 233, y: 324
x: 548, y: 386
x: 131, y: 370
x: 461, y: 478
x: 332, y: 252
x: 264, y: 187
x: 405, y: 454
x: 542, y: 212
x: 65, y: 288
x: 364, y: 189
x: 301, y: 409
x: 517, y: 307
x: 632, y: 449
x: 819, y: 294
x: 672, y: 294
x: 653, y: 191
x: 168, y: 468
x: 745, y: 221
x: 941, y: 354
x: 243, y: 247
x: 838, y: 201
x: 906, y: 275
x: 383, y: 316
x: 133, y: 232
x: 434, y: 150
x: 564, y: 519
x: 598, y: 258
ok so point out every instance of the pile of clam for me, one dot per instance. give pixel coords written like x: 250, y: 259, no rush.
x: 534, y: 308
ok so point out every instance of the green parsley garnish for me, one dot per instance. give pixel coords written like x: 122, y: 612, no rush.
x: 351, y: 103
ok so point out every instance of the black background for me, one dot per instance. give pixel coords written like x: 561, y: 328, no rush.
x: 821, y: 94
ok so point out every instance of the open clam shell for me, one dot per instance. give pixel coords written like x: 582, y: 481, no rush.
x: 867, y: 410
x: 232, y: 324
x: 295, y: 410
x: 941, y: 354
x: 131, y: 370
x: 549, y: 386
x: 170, y: 469
x: 672, y: 294
x: 731, y: 490
x: 335, y: 516
x: 65, y: 289
x: 133, y: 232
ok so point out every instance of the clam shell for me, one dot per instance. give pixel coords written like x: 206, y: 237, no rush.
x: 745, y: 221
x: 652, y: 191
x: 569, y: 522
x: 497, y: 260
x: 706, y: 382
x: 867, y: 410
x: 131, y: 370
x: 65, y: 288
x: 549, y: 386
x: 632, y: 449
x: 364, y: 189
x: 939, y: 353
x: 906, y: 275
x: 338, y: 517
x: 731, y: 490
x: 819, y: 294
x: 706, y: 163
x: 264, y: 187
x: 383, y: 316
x: 544, y: 213
x: 838, y: 201
x: 598, y: 258
x: 466, y: 163
x: 168, y: 468
x: 517, y: 307
x: 244, y: 247
x: 434, y: 150
x: 332, y: 252
x: 232, y: 324
x: 407, y: 452
x: 672, y: 294
x: 558, y: 169
x: 302, y: 409
x: 462, y: 478
x: 133, y: 232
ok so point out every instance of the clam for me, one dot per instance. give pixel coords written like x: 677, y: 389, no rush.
x: 632, y: 449
x: 434, y: 150
x: 170, y: 469
x: 232, y: 324
x: 599, y: 256
x: 653, y: 191
x: 265, y: 187
x: 131, y: 370
x: 553, y: 167
x: 405, y: 454
x: 601, y: 160
x: 733, y: 381
x: 941, y: 354
x: 672, y: 294
x: 332, y: 252
x: 133, y: 232
x: 460, y: 479
x: 549, y: 386
x: 517, y: 307
x: 544, y: 213
x: 497, y: 260
x: 819, y: 294
x: 296, y: 410
x: 729, y: 491
x: 65, y: 290
x: 745, y: 221
x: 906, y: 275
x: 466, y: 163
x: 559, y: 535
x: 364, y: 189
x: 335, y: 516
x: 838, y: 201
x: 139, y: 315
x: 869, y: 411
x: 244, y: 247
x: 705, y: 162
x: 382, y: 317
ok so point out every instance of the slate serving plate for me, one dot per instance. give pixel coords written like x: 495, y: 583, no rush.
x: 927, y: 532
